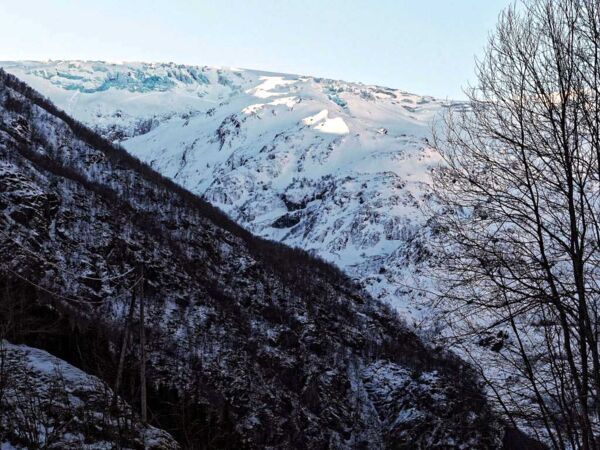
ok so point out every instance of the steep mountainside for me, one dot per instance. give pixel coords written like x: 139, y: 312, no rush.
x: 339, y: 169
x: 250, y: 344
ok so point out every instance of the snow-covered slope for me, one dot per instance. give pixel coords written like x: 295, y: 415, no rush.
x: 337, y: 168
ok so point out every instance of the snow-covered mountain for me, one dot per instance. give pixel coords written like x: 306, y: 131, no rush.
x: 247, y: 343
x: 339, y: 169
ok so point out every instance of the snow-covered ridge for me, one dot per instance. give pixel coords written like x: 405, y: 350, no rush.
x: 337, y: 168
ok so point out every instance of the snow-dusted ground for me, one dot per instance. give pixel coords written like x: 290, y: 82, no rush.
x: 337, y: 168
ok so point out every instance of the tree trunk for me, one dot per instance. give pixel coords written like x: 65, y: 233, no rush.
x: 143, y: 398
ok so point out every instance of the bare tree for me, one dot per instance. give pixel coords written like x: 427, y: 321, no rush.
x: 143, y: 357
x: 520, y: 229
x: 124, y: 345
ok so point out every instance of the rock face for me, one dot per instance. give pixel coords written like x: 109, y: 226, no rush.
x: 250, y: 344
x: 47, y: 403
x: 338, y: 169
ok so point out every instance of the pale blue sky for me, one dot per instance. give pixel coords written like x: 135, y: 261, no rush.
x: 422, y: 46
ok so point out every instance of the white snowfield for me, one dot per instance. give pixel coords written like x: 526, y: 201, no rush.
x: 339, y: 169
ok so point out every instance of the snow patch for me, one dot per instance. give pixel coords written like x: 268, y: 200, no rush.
x: 326, y: 125
x: 264, y: 90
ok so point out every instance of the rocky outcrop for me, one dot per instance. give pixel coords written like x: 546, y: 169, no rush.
x: 47, y: 403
